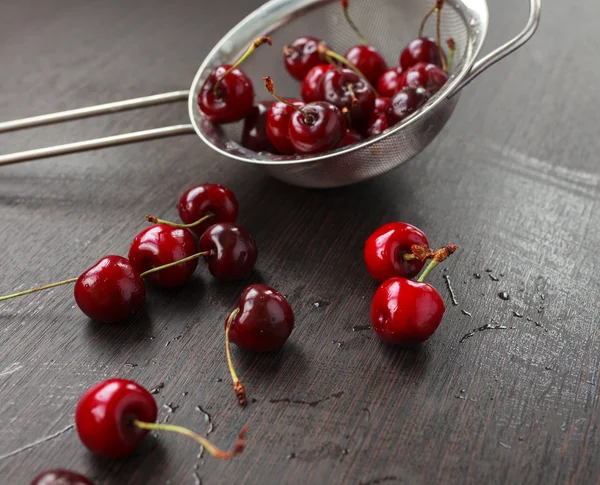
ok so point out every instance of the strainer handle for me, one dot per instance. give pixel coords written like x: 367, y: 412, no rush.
x: 90, y: 111
x: 535, y: 7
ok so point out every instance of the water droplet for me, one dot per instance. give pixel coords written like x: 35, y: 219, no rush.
x: 548, y: 367
x: 493, y: 278
x: 218, y: 379
x: 360, y: 328
x: 290, y: 456
x: 157, y: 389
x: 488, y: 270
x: 477, y: 276
x: 339, y: 344
x: 465, y: 312
x: 184, y: 393
x: 517, y: 314
x: 130, y: 365
x: 316, y: 304
x: 345, y: 451
x: 503, y: 295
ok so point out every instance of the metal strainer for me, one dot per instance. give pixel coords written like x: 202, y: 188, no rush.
x: 387, y: 24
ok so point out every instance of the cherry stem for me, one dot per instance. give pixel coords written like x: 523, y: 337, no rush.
x: 352, y: 95
x: 352, y: 24
x: 437, y: 7
x: 451, y: 51
x: 328, y: 53
x: 156, y: 220
x: 41, y: 288
x: 438, y: 256
x: 257, y: 43
x: 208, y: 446
x: 175, y: 263
x: 238, y: 387
x: 270, y: 85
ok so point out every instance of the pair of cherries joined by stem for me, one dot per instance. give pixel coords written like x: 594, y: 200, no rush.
x: 166, y: 253
x: 403, y: 311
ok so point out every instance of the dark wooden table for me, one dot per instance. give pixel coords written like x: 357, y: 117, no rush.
x: 513, y: 179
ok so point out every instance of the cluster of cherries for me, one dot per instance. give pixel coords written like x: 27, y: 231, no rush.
x: 114, y: 415
x: 404, y: 311
x: 345, y: 99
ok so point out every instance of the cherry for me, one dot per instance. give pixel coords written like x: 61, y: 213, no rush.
x: 408, y: 312
x: 350, y: 138
x: 60, y: 477
x: 301, y: 56
x: 315, y: 127
x: 109, y: 291
x: 405, y: 103
x: 309, y: 88
x: 346, y: 89
x: 230, y: 251
x: 161, y: 244
x: 388, y: 252
x: 254, y: 133
x: 390, y: 82
x: 428, y: 76
x: 197, y: 203
x: 113, y: 416
x: 420, y: 50
x: 278, y: 119
x: 261, y: 322
x: 379, y: 122
x: 227, y: 94
x: 368, y: 61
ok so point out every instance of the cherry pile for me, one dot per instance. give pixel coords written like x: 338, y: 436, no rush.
x: 404, y: 311
x: 345, y: 99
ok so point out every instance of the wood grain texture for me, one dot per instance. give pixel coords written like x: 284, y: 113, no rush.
x: 513, y: 180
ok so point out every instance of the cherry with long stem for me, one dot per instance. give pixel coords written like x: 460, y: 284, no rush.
x: 257, y: 43
x: 437, y: 8
x: 326, y: 52
x: 451, y: 51
x: 436, y: 258
x: 270, y: 86
x: 351, y: 23
x: 238, y: 387
x: 155, y: 220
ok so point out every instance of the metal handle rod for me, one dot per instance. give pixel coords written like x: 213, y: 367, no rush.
x: 535, y: 7
x: 74, y: 114
x: 107, y: 141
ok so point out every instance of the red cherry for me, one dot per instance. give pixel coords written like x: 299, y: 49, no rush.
x: 350, y: 138
x: 227, y: 94
x: 254, y: 133
x: 346, y: 89
x: 318, y: 128
x: 406, y: 312
x: 379, y: 122
x: 420, y: 50
x: 232, y: 251
x: 278, y: 118
x: 428, y: 76
x: 196, y: 202
x: 162, y: 244
x: 405, y: 103
x: 390, y: 82
x: 264, y: 321
x: 110, y: 290
x: 113, y: 416
x: 386, y: 248
x: 105, y: 413
x: 301, y: 56
x: 309, y: 88
x: 60, y: 477
x: 368, y: 61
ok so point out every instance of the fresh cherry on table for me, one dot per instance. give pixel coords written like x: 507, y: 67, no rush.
x: 203, y: 200
x: 278, y: 119
x: 313, y: 128
x: 227, y: 94
x: 262, y: 321
x: 351, y: 137
x: 407, y: 312
x: 110, y: 291
x: 424, y: 49
x: 162, y: 244
x: 113, y: 416
x: 254, y: 132
x: 368, y: 61
x: 388, y: 251
x: 425, y: 75
x: 230, y: 251
x: 309, y: 88
x: 405, y: 102
x: 345, y: 89
x: 302, y: 55
x: 60, y: 477
x: 390, y: 82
